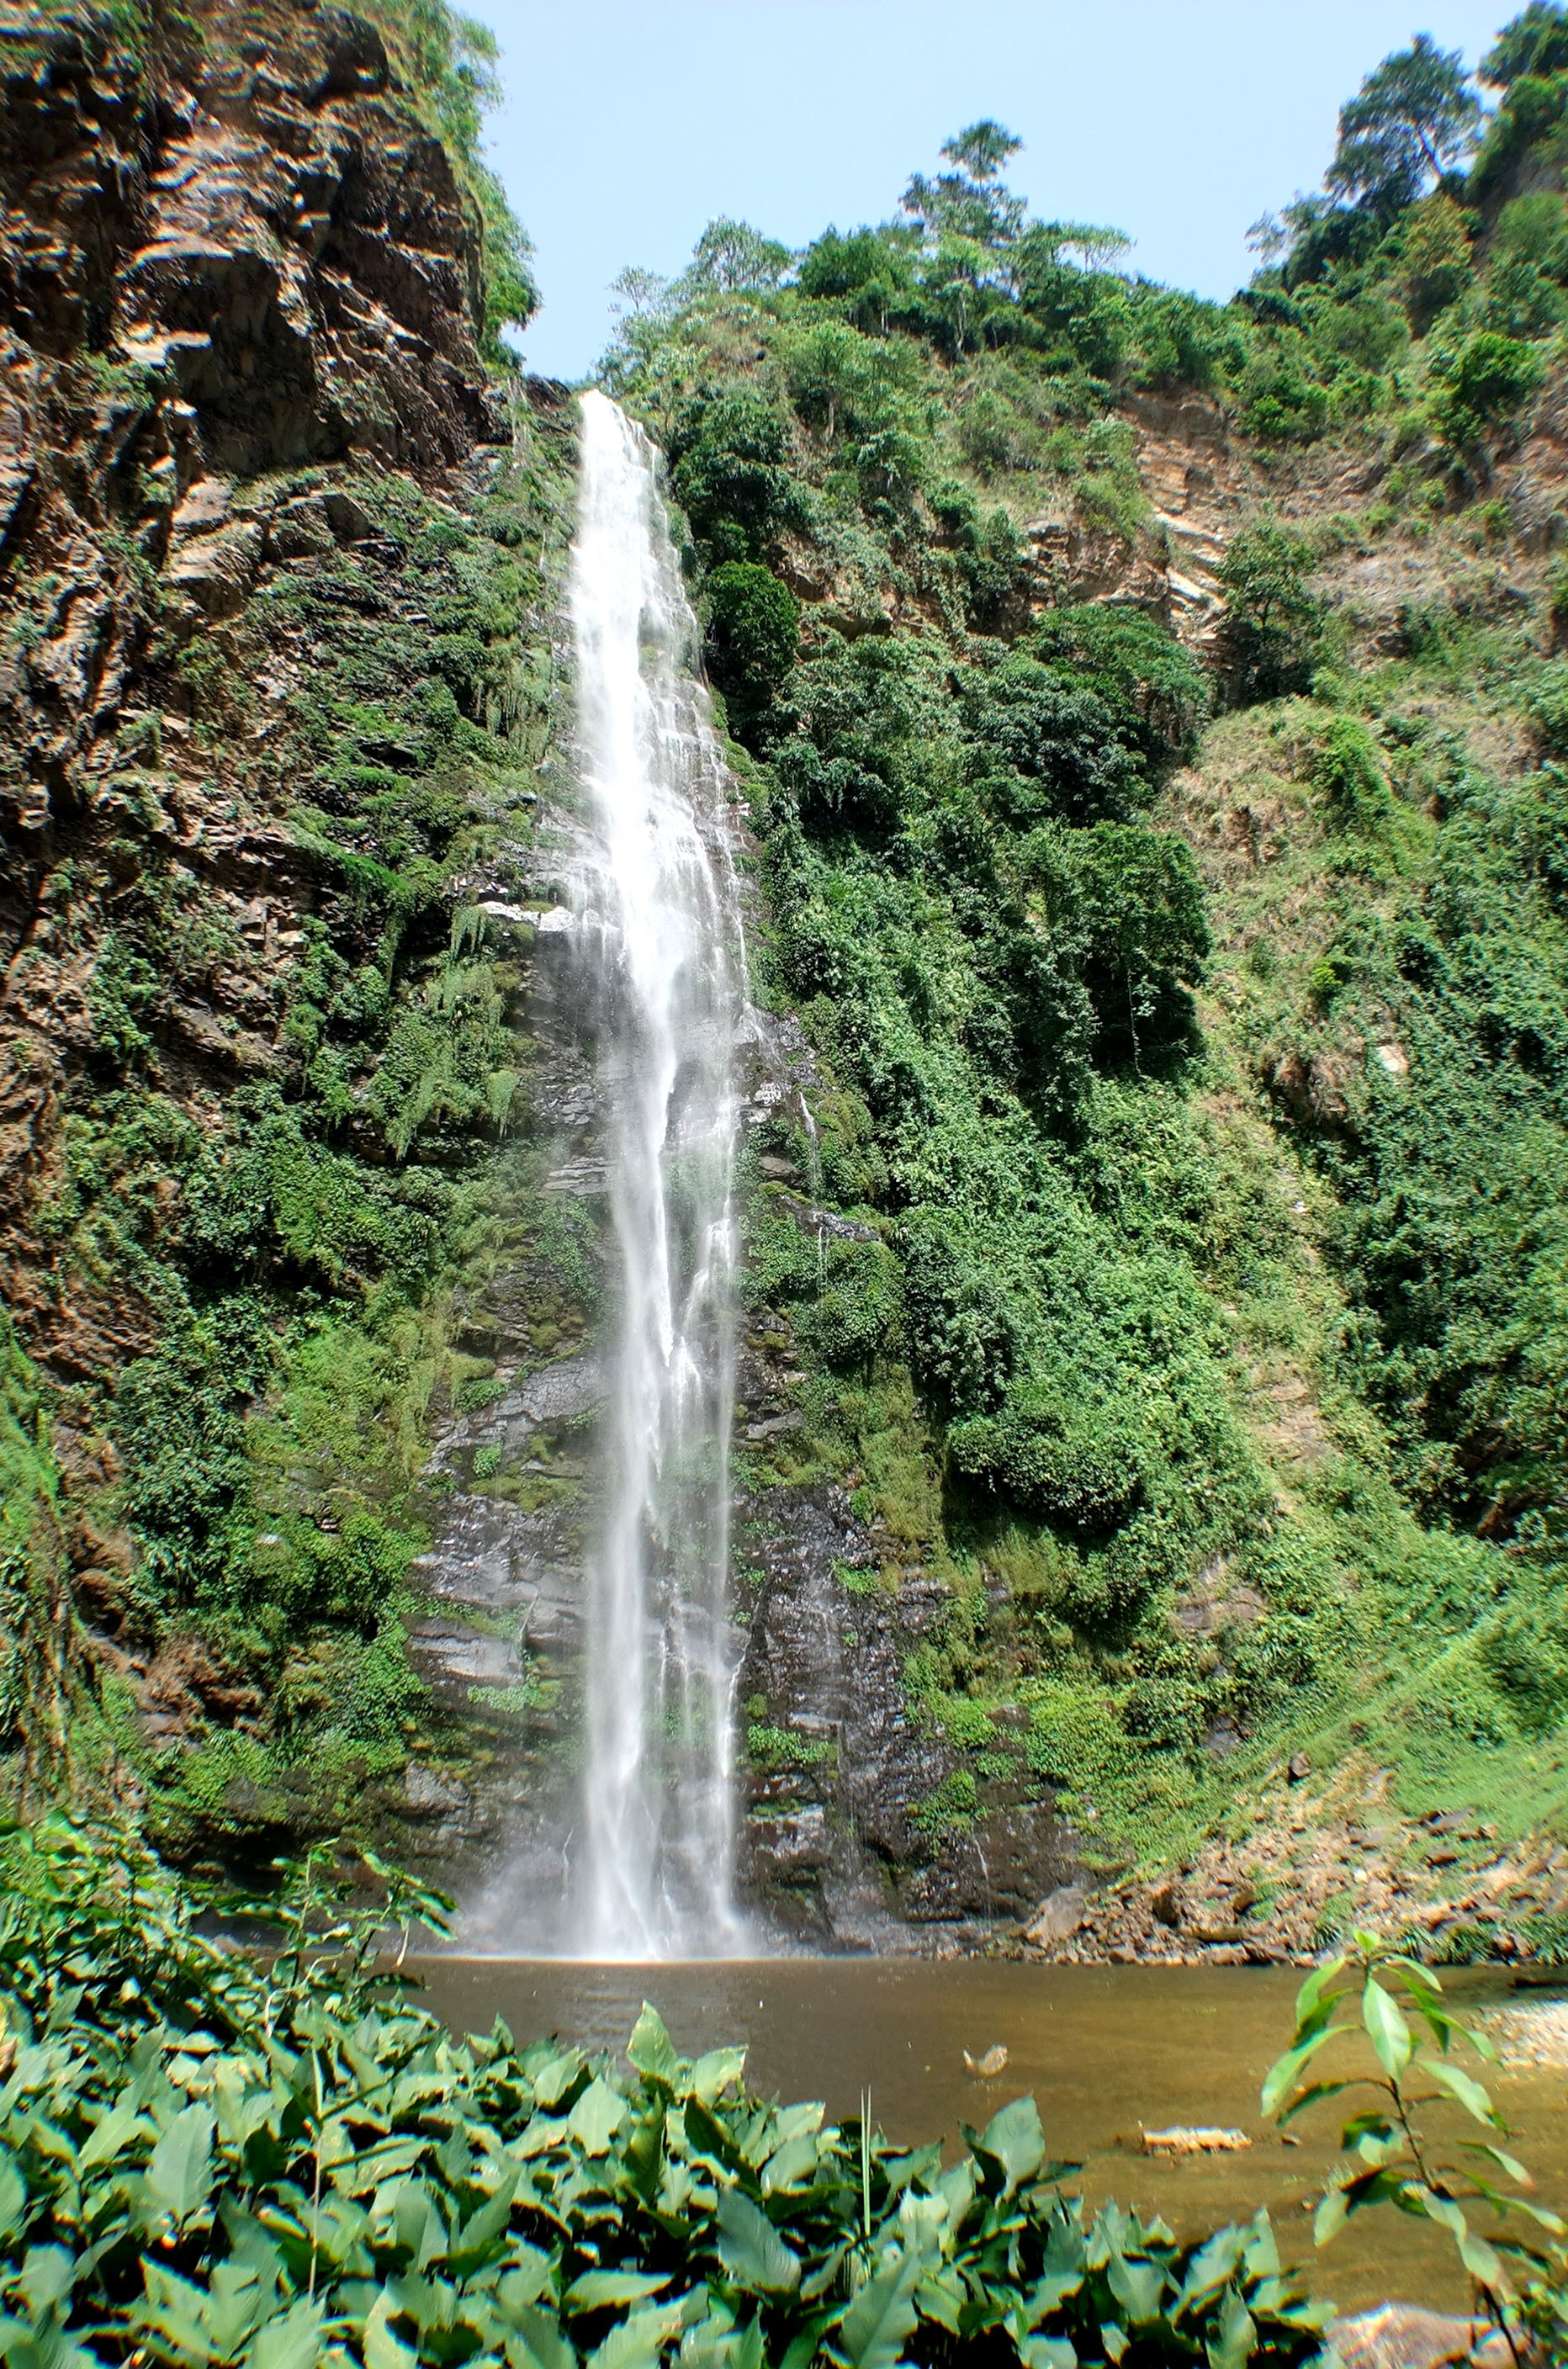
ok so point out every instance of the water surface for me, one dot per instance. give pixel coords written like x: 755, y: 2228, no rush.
x: 1104, y: 2049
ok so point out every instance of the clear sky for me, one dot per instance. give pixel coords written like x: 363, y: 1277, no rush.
x: 630, y: 124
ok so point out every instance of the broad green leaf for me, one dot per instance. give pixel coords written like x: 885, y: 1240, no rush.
x: 109, y: 2136
x: 291, y: 2340
x: 555, y: 2076
x: 1471, y: 2094
x: 538, y: 2343
x: 1313, y: 1997
x: 1114, y: 2338
x: 1047, y: 2352
x: 485, y: 2228
x: 597, y: 2290
x: 176, y: 2314
x: 1284, y: 2073
x: 1137, y: 2286
x: 1483, y: 2262
x: 877, y: 2326
x: 712, y: 2074
x: 1263, y: 2252
x: 1237, y: 2336
x: 637, y: 2343
x: 643, y: 2152
x: 596, y: 2116
x: 526, y: 2278
x: 940, y: 2298
x: 792, y: 2164
x: 382, y: 2349
x: 652, y: 2051
x: 1212, y: 2266
x: 179, y: 2170
x: 1016, y: 2141
x: 1330, y: 2217
x: 751, y: 2250
x: 13, y: 2198
x: 1386, y: 2029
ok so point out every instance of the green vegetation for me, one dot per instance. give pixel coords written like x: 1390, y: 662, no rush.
x: 1200, y: 1279
x: 1392, y: 2155
x: 201, y: 2162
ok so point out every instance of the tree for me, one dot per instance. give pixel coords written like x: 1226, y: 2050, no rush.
x: 1535, y: 43
x: 971, y: 204
x: 754, y: 626
x: 1414, y: 120
x: 731, y: 255
x: 1272, y: 615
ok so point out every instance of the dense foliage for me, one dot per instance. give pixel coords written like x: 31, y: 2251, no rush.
x: 1028, y: 1347
x: 204, y: 2163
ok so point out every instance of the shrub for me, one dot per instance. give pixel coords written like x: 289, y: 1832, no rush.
x: 1272, y: 618
x: 754, y: 626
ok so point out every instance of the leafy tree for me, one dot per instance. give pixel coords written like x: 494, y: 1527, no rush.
x: 1272, y: 616
x: 835, y: 266
x: 1152, y: 686
x: 754, y: 626
x: 1061, y: 741
x: 971, y: 202
x: 1414, y: 120
x: 1131, y: 899
x: 731, y: 255
x: 1535, y: 43
x: 1480, y: 385
x: 730, y: 470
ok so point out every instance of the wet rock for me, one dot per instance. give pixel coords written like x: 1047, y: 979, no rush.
x: 1057, y: 1917
x: 428, y: 1794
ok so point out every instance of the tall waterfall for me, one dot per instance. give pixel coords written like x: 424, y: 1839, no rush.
x: 653, y: 1877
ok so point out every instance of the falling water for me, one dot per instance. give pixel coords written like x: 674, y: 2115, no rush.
x: 653, y: 1877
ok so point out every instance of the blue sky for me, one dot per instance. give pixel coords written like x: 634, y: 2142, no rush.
x: 629, y: 124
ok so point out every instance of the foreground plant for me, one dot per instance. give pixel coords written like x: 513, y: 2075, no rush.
x: 1391, y: 2008
x: 206, y: 2162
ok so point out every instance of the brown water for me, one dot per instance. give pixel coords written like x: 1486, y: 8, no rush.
x: 1104, y: 2049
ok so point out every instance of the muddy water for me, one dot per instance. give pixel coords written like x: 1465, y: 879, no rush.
x: 1104, y: 2049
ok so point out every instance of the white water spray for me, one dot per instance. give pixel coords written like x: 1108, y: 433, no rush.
x: 654, y: 1871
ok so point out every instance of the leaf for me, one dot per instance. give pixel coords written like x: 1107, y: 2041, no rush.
x: 13, y: 2198
x: 597, y: 2289
x: 1238, y: 2338
x: 873, y: 2331
x: 381, y: 2348
x: 175, y: 2314
x: 1386, y: 2029
x: 712, y: 2074
x: 596, y: 2116
x: 292, y: 2339
x: 1471, y: 2094
x: 751, y: 2250
x: 1311, y: 1999
x: 636, y: 2343
x: 643, y: 2152
x: 1047, y: 2352
x: 1483, y: 2263
x: 1330, y: 2217
x: 652, y: 2051
x: 124, y: 2122
x: 1015, y: 2139
x: 526, y: 2278
x: 1282, y: 2076
x: 179, y: 2170
x: 538, y: 2343
x: 1138, y: 2286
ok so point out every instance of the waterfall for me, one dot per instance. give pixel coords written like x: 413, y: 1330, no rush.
x: 653, y: 1865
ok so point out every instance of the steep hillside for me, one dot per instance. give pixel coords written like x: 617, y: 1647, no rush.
x: 1150, y: 716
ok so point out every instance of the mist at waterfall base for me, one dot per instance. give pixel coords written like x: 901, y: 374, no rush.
x: 659, y: 961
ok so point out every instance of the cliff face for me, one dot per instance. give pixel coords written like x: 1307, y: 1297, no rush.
x: 273, y: 669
